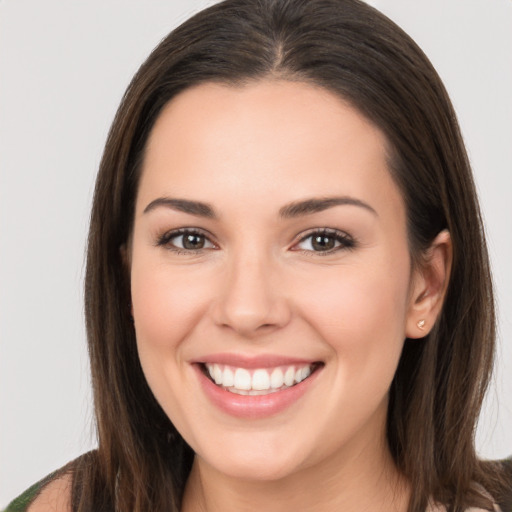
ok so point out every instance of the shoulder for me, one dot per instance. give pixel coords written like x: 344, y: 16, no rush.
x: 57, y: 491
x: 54, y: 497
x: 51, y: 494
x: 54, y: 492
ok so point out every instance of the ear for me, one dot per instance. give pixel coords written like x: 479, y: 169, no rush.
x: 428, y: 286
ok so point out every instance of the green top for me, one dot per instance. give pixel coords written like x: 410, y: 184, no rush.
x: 22, y: 502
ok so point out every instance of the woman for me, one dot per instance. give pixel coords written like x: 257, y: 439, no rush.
x: 280, y: 306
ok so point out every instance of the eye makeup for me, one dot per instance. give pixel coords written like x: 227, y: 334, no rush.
x: 324, y: 241
x: 317, y: 241
x: 186, y: 241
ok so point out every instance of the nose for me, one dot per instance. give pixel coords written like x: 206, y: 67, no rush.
x: 251, y: 300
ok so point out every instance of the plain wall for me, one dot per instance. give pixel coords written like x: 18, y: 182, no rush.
x: 63, y: 69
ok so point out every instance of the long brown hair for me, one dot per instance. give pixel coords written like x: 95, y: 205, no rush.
x: 349, y: 48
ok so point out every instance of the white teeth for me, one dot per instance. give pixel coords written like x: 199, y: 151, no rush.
x: 242, y: 392
x: 277, y: 378
x: 228, y: 377
x: 217, y: 374
x: 242, y: 379
x: 261, y: 381
x: 302, y: 373
x: 289, y: 376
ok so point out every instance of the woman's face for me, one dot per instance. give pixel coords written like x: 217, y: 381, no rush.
x: 269, y: 250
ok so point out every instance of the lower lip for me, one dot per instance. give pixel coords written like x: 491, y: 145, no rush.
x: 254, y: 406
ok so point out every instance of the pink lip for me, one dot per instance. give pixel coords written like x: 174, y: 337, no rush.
x: 259, y: 361
x: 253, y: 406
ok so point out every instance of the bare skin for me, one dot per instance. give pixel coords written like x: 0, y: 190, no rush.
x: 55, y: 497
x: 258, y: 285
x: 349, y: 484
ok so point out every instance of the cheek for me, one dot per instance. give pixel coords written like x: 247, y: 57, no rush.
x: 358, y: 301
x: 166, y: 305
x: 362, y: 319
x: 361, y: 315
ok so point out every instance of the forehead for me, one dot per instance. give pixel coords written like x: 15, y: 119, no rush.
x: 273, y: 139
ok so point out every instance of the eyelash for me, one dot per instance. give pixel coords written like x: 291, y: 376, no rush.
x: 345, y: 241
x: 165, y: 240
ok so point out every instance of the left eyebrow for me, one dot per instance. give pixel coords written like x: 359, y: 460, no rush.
x: 183, y: 205
x: 314, y: 205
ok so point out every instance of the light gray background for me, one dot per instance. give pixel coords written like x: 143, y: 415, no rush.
x: 63, y: 68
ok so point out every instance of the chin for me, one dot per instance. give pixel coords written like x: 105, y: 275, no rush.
x: 258, y: 462
x: 257, y: 470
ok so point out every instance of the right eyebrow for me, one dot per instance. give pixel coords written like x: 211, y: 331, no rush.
x: 314, y: 205
x: 197, y: 208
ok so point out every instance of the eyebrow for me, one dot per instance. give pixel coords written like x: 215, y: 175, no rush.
x: 291, y: 210
x: 314, y: 205
x: 183, y: 205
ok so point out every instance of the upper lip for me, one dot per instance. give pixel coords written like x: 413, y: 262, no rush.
x: 253, y: 361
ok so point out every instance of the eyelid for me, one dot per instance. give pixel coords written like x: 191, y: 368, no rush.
x: 346, y: 241
x: 164, y: 239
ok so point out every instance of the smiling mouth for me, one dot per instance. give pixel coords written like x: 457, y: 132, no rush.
x: 259, y: 381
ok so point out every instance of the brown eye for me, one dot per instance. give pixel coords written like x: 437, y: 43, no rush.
x: 185, y: 240
x: 325, y: 241
x: 193, y: 241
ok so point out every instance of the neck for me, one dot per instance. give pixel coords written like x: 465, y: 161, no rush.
x: 364, y: 480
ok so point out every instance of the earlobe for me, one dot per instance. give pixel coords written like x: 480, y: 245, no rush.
x: 429, y: 285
